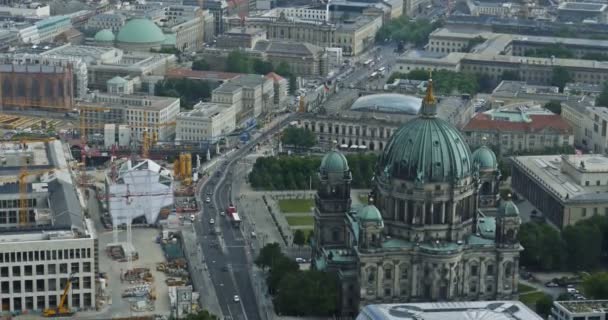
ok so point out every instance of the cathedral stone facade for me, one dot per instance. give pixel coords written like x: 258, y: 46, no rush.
x: 424, y: 235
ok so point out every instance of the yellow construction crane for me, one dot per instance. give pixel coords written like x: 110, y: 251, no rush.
x: 62, y: 310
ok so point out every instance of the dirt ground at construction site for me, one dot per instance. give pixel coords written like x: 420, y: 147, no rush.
x: 150, y: 253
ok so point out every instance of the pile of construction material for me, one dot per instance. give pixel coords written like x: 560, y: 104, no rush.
x: 176, y: 270
x: 138, y: 275
x: 117, y: 253
x: 140, y: 291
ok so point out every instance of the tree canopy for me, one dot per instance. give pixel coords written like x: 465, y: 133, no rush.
x: 190, y: 91
x: 299, y: 239
x: 296, y: 292
x: 554, y: 106
x: 201, y: 64
x: 300, y: 138
x: 299, y: 173
x: 595, y: 286
x: 543, y: 305
x: 578, y: 247
x: 559, y: 77
x: 239, y: 62
x: 201, y: 315
x: 403, y: 29
x: 446, y: 82
x: 602, y: 99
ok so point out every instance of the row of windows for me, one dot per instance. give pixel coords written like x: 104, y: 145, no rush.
x: 27, y: 303
x: 42, y: 255
x: 43, y: 285
x: 351, y: 130
x: 14, y: 203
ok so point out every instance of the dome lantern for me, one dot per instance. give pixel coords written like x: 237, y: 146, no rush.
x: 429, y: 103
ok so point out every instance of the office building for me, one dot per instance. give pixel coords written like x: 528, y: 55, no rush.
x: 240, y: 38
x: 107, y: 20
x: 495, y: 310
x: 518, y: 128
x: 281, y: 89
x: 576, y: 12
x: 577, y: 309
x: 303, y: 59
x: 40, y: 249
x: 206, y: 121
x: 141, y: 113
x: 565, y: 189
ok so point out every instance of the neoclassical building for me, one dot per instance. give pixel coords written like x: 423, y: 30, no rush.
x: 423, y: 236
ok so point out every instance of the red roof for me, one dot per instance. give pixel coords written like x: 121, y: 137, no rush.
x: 200, y: 75
x: 274, y: 77
x: 483, y: 122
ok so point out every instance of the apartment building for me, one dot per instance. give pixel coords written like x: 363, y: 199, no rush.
x: 140, y: 113
x: 205, y: 122
x: 39, y: 251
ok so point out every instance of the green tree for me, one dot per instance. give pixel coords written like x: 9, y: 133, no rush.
x: 299, y: 239
x: 283, y: 69
x: 554, y: 106
x: 262, y: 67
x: 583, y: 246
x: 404, y: 30
x: 543, y: 247
x: 596, y: 285
x: 307, y: 293
x: 238, y: 61
x: 268, y: 255
x: 201, y: 315
x: 559, y: 77
x: 543, y: 305
x: 602, y: 99
x: 281, y: 266
x: 299, y: 137
x: 200, y: 64
x: 190, y: 91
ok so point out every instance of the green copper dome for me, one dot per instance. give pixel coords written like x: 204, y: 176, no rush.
x: 485, y: 158
x: 426, y: 150
x: 104, y: 35
x: 369, y: 213
x: 140, y: 31
x: 334, y: 162
x: 508, y: 209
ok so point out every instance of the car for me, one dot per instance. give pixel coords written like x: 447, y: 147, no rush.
x: 222, y: 213
x: 225, y: 268
x: 209, y: 193
x: 208, y: 200
x: 300, y: 260
x: 192, y: 217
x: 211, y: 221
x: 236, y: 298
x: 551, y: 284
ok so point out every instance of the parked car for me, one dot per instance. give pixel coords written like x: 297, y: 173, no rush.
x: 300, y: 260
x: 211, y: 221
x: 551, y: 284
x: 236, y: 298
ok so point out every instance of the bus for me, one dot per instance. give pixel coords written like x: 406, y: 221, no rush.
x: 236, y: 220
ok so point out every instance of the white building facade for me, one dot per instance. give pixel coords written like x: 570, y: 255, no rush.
x: 206, y: 122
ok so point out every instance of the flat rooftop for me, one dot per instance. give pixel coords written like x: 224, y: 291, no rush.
x: 584, y: 306
x: 495, y: 310
x: 546, y: 170
x: 582, y: 6
x: 205, y: 109
x: 155, y: 103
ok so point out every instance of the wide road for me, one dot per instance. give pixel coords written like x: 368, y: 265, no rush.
x: 227, y: 255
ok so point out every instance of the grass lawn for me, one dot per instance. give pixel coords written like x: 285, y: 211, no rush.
x: 295, y: 205
x: 523, y: 288
x: 530, y: 299
x: 363, y: 199
x: 300, y: 221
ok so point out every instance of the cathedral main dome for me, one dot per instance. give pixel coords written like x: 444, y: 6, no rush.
x: 426, y: 149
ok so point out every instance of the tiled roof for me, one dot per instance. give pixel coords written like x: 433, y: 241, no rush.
x: 274, y: 77
x: 203, y: 75
x: 483, y: 122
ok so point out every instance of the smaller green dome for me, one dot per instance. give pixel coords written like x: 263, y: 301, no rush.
x: 104, y: 35
x: 508, y: 209
x: 485, y: 158
x: 334, y: 162
x: 369, y: 213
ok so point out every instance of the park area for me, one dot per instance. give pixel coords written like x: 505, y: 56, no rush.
x: 298, y: 213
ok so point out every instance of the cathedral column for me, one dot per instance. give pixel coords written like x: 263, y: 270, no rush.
x: 395, y: 209
x: 413, y: 280
x: 423, y: 213
x: 443, y: 212
x: 379, y: 279
x: 407, y: 212
x: 396, y: 277
x: 432, y: 213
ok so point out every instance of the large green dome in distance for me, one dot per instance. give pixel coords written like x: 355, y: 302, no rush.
x: 140, y: 31
x: 334, y: 162
x: 485, y: 158
x: 426, y: 149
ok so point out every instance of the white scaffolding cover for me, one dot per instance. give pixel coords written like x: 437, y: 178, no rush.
x: 142, y: 189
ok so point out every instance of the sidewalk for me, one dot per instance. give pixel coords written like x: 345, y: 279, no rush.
x: 201, y: 279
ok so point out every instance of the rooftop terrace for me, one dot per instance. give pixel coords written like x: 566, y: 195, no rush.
x: 584, y: 306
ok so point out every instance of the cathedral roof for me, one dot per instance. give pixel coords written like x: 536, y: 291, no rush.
x: 485, y: 158
x: 334, y: 162
x: 508, y: 209
x: 369, y: 213
x: 426, y: 149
